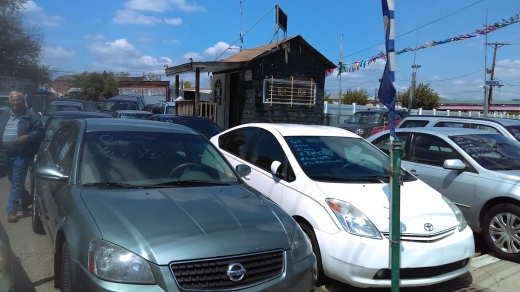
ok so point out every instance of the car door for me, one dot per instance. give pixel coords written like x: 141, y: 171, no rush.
x: 264, y: 151
x: 427, y: 156
x: 60, y: 155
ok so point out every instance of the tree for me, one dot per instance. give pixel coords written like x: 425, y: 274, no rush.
x: 423, y: 97
x: 326, y: 97
x: 20, y: 46
x: 95, y: 85
x: 358, y: 96
x: 186, y: 84
x: 153, y: 77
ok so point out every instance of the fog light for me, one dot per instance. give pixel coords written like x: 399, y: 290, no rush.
x: 383, y: 274
x: 465, y: 262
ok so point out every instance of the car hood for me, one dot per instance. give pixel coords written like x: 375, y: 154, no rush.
x: 171, y: 224
x: 420, y: 204
x: 356, y: 126
x: 510, y: 176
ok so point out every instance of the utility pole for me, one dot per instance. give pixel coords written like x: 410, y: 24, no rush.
x: 340, y: 69
x: 492, y: 71
x: 412, y: 88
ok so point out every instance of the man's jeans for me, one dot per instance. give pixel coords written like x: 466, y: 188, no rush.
x: 17, y: 168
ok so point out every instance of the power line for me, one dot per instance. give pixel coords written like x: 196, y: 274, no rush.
x: 412, y: 30
x: 457, y: 76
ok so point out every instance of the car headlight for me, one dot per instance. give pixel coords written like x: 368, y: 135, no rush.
x: 458, y: 214
x: 114, y: 263
x: 353, y: 220
x: 301, y: 246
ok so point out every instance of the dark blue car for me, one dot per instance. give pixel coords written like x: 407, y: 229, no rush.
x: 202, y: 125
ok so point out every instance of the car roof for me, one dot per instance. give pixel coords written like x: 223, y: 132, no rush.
x: 303, y: 130
x: 443, y: 131
x: 502, y: 121
x: 125, y: 97
x: 66, y: 102
x: 79, y: 114
x: 133, y: 112
x: 379, y: 111
x: 99, y: 125
x: 167, y: 102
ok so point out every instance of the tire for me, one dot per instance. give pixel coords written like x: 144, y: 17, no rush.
x: 315, y: 248
x: 501, y: 224
x: 65, y: 284
x: 36, y: 222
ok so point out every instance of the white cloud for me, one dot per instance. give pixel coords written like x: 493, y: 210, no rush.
x: 131, y: 16
x: 147, y: 5
x: 173, y: 21
x: 172, y: 42
x: 118, y: 47
x: 459, y: 82
x: 37, y: 15
x: 184, y: 5
x: 219, y: 48
x: 57, y: 52
x: 508, y: 70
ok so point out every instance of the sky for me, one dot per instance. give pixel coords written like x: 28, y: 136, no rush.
x: 139, y: 36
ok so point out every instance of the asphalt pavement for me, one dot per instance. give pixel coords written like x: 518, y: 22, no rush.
x: 33, y: 262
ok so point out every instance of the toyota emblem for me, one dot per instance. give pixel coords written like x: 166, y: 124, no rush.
x: 236, y: 272
x: 428, y: 227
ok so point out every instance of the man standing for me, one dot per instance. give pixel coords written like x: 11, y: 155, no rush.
x: 21, y: 131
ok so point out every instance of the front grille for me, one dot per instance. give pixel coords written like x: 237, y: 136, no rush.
x: 421, y: 273
x: 424, y: 237
x: 211, y: 274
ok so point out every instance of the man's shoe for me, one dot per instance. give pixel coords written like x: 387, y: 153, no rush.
x: 11, y: 217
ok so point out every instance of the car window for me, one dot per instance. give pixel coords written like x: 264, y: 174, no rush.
x: 57, y: 140
x: 482, y: 127
x: 238, y: 141
x: 431, y: 150
x: 515, y: 131
x: 120, y: 105
x: 413, y: 123
x: 383, y: 143
x: 341, y: 159
x: 170, y: 110
x: 266, y: 150
x: 151, y: 158
x: 450, y: 124
x: 65, y: 154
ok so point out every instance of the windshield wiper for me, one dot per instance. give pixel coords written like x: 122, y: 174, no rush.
x: 112, y: 185
x: 182, y: 183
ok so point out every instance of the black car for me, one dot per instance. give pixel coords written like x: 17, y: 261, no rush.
x: 52, y: 125
x: 60, y: 105
x: 363, y: 122
x: 200, y: 124
x: 123, y: 102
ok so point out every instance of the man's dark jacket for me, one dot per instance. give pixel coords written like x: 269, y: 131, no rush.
x: 29, y: 125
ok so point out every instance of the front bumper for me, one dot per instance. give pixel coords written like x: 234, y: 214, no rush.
x: 356, y: 260
x: 296, y: 277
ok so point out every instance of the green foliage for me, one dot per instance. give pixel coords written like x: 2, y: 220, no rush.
x: 423, y: 97
x: 97, y: 85
x: 358, y: 96
x: 326, y: 97
x: 186, y: 84
x: 20, y: 46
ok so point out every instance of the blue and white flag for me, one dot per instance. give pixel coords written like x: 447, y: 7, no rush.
x: 387, y: 92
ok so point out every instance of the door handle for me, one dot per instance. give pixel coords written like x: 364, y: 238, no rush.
x: 414, y: 172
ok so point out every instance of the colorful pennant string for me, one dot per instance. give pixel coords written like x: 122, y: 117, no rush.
x: 351, y: 67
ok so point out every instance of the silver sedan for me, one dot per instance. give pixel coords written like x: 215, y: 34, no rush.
x: 479, y: 171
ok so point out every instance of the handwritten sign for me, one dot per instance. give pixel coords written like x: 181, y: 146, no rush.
x: 307, y: 155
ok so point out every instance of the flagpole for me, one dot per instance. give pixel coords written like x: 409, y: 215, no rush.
x: 340, y: 68
x: 241, y: 38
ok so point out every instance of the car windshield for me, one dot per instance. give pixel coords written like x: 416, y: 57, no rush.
x: 170, y: 110
x: 203, y: 126
x: 51, y: 109
x: 341, y: 159
x: 54, y: 124
x: 119, y: 105
x: 152, y: 159
x: 364, y: 118
x: 135, y: 116
x: 491, y: 151
x: 515, y: 131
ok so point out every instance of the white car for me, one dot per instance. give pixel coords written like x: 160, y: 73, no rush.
x: 336, y: 186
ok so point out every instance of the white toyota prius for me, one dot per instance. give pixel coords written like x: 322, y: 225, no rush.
x: 336, y: 186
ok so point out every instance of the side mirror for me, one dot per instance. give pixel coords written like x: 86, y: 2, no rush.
x: 50, y: 173
x: 243, y: 170
x: 454, y: 164
x: 274, y: 168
